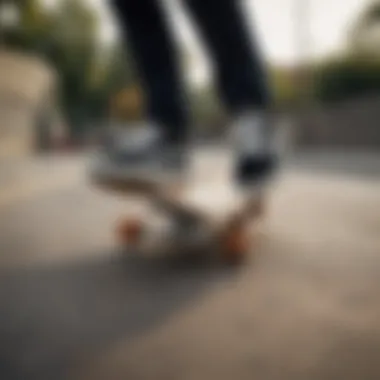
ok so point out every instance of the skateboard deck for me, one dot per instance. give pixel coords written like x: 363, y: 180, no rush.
x: 203, y: 213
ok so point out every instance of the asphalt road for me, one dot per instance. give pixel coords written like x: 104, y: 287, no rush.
x: 305, y: 305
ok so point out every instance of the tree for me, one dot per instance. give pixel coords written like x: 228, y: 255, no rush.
x: 365, y: 35
x: 31, y: 31
x: 73, y: 51
x: 113, y: 77
x: 66, y: 37
x: 346, y: 78
x: 357, y: 71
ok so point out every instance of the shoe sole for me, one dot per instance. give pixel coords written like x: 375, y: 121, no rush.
x: 132, y: 179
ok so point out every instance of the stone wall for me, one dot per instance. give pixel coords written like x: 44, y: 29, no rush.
x: 351, y: 124
x: 25, y: 83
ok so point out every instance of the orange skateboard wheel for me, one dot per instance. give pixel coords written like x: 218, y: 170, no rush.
x: 235, y: 244
x: 130, y: 231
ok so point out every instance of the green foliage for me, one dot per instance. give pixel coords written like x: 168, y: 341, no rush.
x: 284, y: 87
x: 357, y: 71
x: 370, y: 16
x: 73, y: 53
x: 373, y: 13
x: 32, y: 31
x: 118, y: 69
x: 345, y: 78
x: 205, y: 106
x: 364, y: 38
x: 67, y: 37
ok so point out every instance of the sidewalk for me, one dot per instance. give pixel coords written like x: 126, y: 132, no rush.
x: 21, y: 178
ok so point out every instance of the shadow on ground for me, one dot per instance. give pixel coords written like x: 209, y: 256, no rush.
x: 52, y: 317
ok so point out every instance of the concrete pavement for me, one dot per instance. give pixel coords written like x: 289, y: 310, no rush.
x: 305, y: 306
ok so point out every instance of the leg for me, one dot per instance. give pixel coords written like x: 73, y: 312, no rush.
x: 141, y: 157
x: 143, y: 23
x: 243, y: 84
x: 240, y: 73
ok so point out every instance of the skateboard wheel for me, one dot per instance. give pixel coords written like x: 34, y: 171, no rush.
x: 235, y: 245
x: 130, y: 231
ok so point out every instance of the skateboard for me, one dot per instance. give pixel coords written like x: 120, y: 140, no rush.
x: 196, y: 215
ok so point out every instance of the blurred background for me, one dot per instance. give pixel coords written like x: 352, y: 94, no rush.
x: 306, y: 305
x: 322, y: 57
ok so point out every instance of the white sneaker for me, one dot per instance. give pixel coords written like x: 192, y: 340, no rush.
x: 138, y: 153
x: 254, y: 143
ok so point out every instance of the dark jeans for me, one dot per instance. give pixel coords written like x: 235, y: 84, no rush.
x: 241, y: 77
